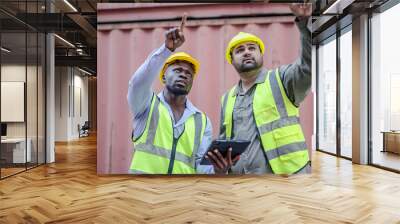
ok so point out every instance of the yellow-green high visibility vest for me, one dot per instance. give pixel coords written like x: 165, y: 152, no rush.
x: 157, y: 151
x: 278, y: 124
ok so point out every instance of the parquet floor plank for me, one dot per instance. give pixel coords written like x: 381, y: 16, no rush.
x: 70, y: 191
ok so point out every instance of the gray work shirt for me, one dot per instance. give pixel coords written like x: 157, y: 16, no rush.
x: 296, y: 79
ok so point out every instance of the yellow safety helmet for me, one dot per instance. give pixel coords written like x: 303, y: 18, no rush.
x: 240, y: 38
x: 180, y: 56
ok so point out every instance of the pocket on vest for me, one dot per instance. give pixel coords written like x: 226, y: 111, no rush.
x: 287, y: 135
x: 266, y: 114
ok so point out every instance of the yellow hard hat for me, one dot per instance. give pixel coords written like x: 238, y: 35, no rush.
x: 240, y: 38
x: 180, y: 56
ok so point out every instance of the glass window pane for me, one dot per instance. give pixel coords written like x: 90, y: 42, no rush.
x: 327, y: 97
x: 41, y: 98
x: 22, y: 87
x: 385, y: 89
x: 31, y: 97
x: 14, y: 153
x: 346, y: 94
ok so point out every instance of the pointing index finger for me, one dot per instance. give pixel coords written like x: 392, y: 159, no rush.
x: 183, y: 22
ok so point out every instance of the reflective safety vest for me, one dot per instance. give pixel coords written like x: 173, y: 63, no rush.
x: 157, y: 151
x: 278, y: 124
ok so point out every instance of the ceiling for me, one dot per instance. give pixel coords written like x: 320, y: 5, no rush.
x: 329, y: 16
x: 73, y: 21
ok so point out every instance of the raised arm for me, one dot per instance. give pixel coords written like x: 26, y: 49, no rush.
x: 139, y: 90
x: 296, y: 77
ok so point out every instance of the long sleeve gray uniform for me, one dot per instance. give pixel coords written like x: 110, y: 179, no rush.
x: 139, y: 100
x: 296, y: 79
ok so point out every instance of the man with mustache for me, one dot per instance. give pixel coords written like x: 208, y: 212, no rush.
x: 170, y: 134
x: 263, y: 107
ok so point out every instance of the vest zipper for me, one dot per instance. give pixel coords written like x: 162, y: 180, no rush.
x: 173, y: 150
x: 172, y: 159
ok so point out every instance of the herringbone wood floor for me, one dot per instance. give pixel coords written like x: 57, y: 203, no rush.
x: 69, y: 191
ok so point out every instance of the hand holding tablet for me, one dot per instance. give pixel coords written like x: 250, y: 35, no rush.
x: 222, y: 154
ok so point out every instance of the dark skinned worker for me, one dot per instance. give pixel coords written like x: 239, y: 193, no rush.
x: 263, y: 107
x: 170, y: 134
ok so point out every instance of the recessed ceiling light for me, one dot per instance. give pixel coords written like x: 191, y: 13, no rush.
x: 5, y: 50
x: 86, y: 72
x: 64, y: 40
x: 70, y: 5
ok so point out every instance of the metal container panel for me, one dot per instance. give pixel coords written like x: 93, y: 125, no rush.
x: 126, y: 38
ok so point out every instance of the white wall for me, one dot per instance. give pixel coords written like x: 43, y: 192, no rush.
x: 70, y: 83
x: 61, y: 103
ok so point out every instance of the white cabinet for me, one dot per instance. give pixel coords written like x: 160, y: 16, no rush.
x: 18, y: 149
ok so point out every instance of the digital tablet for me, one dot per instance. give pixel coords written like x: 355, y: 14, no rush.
x: 238, y: 147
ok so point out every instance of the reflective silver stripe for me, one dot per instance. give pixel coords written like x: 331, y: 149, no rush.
x: 164, y: 153
x: 183, y: 158
x: 151, y: 133
x: 263, y: 75
x: 276, y: 92
x: 134, y: 171
x: 225, y: 101
x: 198, y: 126
x: 286, y: 149
x: 283, y: 122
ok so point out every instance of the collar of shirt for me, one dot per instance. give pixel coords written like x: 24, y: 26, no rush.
x: 190, y: 109
x: 260, y: 79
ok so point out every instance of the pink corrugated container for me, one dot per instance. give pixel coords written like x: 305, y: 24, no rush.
x: 129, y: 32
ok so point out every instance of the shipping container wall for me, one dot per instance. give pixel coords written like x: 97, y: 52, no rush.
x: 128, y: 33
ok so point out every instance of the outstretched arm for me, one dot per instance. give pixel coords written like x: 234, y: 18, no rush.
x: 296, y: 77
